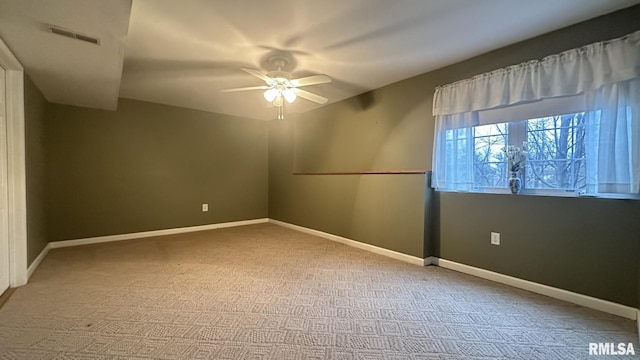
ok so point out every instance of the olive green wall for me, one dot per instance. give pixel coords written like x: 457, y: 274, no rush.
x: 582, y: 245
x: 381, y: 130
x: 148, y: 166
x: 589, y: 246
x: 35, y: 113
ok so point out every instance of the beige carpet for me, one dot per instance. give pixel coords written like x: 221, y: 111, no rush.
x: 266, y: 292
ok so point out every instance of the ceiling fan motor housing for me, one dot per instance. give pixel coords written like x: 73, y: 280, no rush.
x: 279, y: 75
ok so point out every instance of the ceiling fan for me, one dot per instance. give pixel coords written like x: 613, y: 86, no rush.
x: 280, y: 86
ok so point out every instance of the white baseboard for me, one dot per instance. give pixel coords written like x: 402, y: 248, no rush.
x: 101, y: 239
x: 583, y: 300
x: 360, y: 245
x: 138, y: 235
x: 575, y: 298
x: 36, y: 262
x: 431, y: 260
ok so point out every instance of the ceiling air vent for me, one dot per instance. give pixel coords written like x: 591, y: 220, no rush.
x: 71, y: 34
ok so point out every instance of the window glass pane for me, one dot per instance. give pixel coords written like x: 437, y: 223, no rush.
x: 458, y: 157
x: 556, y: 152
x: 489, y: 161
x: 462, y: 156
x: 461, y: 133
x: 490, y: 174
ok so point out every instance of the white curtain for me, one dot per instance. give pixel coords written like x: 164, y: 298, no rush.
x: 605, y: 73
x: 455, y: 172
x: 613, y: 140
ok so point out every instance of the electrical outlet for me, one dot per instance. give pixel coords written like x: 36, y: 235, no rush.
x: 205, y: 207
x: 495, y: 238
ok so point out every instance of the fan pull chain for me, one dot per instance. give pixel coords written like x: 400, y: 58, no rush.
x: 281, y: 111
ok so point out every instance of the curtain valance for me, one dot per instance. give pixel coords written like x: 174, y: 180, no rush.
x: 568, y: 73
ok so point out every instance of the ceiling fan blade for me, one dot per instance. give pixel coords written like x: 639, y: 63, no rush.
x: 257, y: 74
x: 311, y: 80
x: 261, y: 87
x: 311, y: 96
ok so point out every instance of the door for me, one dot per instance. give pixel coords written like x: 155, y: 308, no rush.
x: 4, y: 230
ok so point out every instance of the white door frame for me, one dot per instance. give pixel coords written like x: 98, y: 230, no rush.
x: 16, y: 182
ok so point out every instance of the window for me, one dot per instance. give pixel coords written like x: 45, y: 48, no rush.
x: 556, y: 147
x: 578, y: 111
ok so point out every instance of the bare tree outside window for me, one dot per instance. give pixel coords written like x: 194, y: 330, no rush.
x: 556, y: 147
x: 490, y: 163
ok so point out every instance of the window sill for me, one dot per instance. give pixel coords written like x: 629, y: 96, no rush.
x: 547, y: 193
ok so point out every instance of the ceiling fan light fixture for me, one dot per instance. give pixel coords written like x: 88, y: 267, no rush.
x: 270, y: 95
x: 290, y: 95
x: 280, y: 86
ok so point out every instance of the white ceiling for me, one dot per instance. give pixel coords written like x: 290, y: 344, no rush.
x: 184, y: 52
x: 69, y: 71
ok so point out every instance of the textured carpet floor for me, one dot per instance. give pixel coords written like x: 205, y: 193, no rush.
x: 266, y: 292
